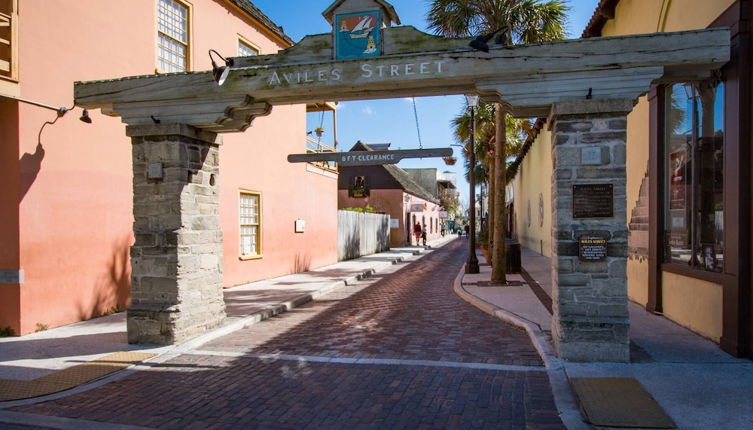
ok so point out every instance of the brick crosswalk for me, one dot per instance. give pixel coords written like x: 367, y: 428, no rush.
x: 398, y: 351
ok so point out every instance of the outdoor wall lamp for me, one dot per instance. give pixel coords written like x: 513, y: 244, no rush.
x: 220, y: 73
x: 481, y: 43
x: 62, y: 110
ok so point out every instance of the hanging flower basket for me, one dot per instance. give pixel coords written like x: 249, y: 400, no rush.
x: 319, y: 131
x: 450, y: 161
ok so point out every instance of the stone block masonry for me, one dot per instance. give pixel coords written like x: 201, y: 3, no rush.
x: 590, y: 314
x: 176, y: 280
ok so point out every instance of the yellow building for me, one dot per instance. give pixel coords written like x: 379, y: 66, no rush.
x: 689, y: 178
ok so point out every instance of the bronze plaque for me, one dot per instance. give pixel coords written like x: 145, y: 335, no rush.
x: 593, y: 201
x: 592, y: 248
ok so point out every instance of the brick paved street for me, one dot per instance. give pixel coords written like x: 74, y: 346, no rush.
x: 400, y: 350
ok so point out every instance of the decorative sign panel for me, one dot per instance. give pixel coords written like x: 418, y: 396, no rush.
x: 394, y: 223
x: 592, y: 248
x: 365, y: 158
x: 443, y: 214
x: 357, y: 35
x: 593, y: 201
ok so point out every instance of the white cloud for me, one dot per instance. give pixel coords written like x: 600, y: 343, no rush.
x: 368, y: 110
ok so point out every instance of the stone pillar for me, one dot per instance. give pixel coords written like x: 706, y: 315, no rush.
x: 590, y: 314
x: 176, y: 280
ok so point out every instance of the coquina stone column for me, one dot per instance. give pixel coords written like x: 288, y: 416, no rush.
x: 176, y: 261
x: 590, y: 314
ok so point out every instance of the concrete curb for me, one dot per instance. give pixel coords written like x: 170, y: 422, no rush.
x: 564, y: 398
x: 21, y: 418
x: 167, y: 353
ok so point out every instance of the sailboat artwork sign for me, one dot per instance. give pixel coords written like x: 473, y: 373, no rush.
x: 357, y: 35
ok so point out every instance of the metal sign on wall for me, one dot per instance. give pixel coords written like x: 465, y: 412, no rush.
x: 366, y: 158
x: 357, y: 35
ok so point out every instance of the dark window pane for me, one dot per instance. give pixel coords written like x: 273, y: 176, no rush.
x: 679, y: 168
x: 694, y: 200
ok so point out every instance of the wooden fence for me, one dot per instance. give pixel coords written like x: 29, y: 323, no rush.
x: 360, y: 234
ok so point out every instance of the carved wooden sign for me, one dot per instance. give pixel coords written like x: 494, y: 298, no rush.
x: 366, y: 158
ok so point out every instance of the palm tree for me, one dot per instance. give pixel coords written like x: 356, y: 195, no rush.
x: 527, y: 21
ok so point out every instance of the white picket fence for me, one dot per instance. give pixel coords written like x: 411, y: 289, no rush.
x: 360, y: 234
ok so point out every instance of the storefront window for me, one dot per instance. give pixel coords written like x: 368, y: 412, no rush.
x: 694, y: 145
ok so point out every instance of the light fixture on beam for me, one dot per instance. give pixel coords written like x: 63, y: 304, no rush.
x: 220, y: 73
x: 481, y: 43
x: 62, y: 110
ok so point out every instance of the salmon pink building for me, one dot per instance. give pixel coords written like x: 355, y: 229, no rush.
x: 66, y: 208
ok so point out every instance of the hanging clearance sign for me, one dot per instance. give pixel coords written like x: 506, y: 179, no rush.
x: 365, y: 158
x: 357, y: 35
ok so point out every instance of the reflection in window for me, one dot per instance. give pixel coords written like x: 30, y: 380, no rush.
x: 694, y: 145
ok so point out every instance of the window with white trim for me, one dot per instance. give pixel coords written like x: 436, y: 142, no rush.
x: 8, y: 39
x: 245, y: 49
x: 250, y: 224
x: 172, y: 36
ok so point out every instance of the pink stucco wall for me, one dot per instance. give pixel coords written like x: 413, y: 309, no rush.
x: 73, y: 192
x: 396, y: 203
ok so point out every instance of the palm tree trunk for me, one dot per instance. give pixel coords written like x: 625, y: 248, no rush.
x: 498, y: 254
x: 490, y: 221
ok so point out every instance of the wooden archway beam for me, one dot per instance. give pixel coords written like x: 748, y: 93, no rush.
x: 528, y: 77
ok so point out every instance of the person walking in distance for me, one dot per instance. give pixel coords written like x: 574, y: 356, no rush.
x: 423, y: 235
x: 417, y: 232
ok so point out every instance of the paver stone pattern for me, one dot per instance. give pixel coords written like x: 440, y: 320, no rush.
x: 275, y: 374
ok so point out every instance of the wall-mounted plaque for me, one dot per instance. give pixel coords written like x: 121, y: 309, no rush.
x: 593, y: 201
x: 592, y: 248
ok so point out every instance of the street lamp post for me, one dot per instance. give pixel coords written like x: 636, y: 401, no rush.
x: 471, y: 266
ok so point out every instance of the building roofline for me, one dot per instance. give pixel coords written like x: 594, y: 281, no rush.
x: 604, y: 11
x: 274, y: 30
x: 402, y: 177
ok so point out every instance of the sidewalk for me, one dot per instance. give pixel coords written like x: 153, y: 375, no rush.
x: 696, y: 383
x: 40, y: 354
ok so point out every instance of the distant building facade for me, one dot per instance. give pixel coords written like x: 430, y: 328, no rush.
x: 390, y: 190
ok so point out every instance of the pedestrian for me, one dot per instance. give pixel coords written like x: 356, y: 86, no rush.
x: 417, y: 232
x: 423, y: 235
x: 442, y: 230
x: 460, y: 232
x: 467, y: 230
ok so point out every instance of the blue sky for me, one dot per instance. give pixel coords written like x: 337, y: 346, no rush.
x: 392, y: 120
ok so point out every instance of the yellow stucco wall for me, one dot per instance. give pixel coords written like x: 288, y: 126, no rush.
x: 534, y: 179
x: 693, y: 303
x: 636, y: 164
x: 690, y: 302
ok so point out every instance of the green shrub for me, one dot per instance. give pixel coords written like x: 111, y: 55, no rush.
x: 365, y: 209
x: 7, y: 332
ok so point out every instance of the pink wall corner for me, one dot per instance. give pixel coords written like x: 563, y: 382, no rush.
x: 9, y: 251
x: 76, y: 198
